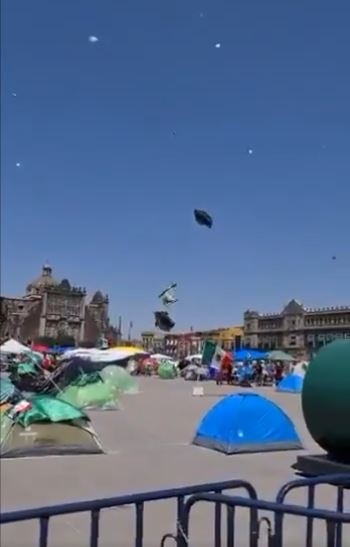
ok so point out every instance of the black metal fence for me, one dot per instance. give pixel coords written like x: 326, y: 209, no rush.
x: 213, y: 493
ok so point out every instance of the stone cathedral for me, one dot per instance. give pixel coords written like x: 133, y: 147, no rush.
x: 52, y: 308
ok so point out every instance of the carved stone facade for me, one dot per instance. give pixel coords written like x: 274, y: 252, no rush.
x: 55, y: 309
x: 297, y: 329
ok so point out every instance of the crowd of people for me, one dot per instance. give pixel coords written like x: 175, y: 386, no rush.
x: 226, y: 370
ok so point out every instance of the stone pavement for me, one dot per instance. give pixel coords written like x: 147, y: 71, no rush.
x: 148, y: 448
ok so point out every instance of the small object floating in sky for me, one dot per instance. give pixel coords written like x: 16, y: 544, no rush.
x: 201, y: 15
x: 93, y: 39
x: 168, y: 296
x: 218, y: 45
x: 334, y: 257
x: 203, y: 218
x: 18, y: 164
x: 14, y: 94
x: 250, y: 151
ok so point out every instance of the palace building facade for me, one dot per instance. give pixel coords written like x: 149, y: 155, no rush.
x: 296, y: 329
x: 55, y: 309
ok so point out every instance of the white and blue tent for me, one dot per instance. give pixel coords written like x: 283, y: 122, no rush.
x: 246, y: 422
x: 292, y: 383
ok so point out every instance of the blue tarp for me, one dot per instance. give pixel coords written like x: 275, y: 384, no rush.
x: 248, y: 355
x: 246, y: 422
x: 60, y: 349
x: 291, y: 384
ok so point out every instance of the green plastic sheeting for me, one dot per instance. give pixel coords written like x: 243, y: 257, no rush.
x: 27, y: 368
x: 31, y: 365
x: 94, y: 394
x: 119, y: 379
x: 85, y: 379
x: 167, y: 370
x: 49, y: 409
x: 7, y: 390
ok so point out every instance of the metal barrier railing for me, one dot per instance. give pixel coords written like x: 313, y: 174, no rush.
x: 339, y: 482
x: 333, y: 519
x: 94, y: 507
x: 187, y: 497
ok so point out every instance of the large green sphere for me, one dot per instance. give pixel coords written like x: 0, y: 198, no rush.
x: 326, y: 399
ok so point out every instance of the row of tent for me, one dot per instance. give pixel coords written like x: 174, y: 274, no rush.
x: 46, y: 414
x: 122, y: 352
x: 115, y: 354
x: 239, y: 423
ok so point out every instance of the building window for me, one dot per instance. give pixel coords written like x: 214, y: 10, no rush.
x: 292, y: 340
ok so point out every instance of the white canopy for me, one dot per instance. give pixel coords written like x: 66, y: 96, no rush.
x: 103, y: 356
x: 13, y: 346
x: 196, y: 356
x: 160, y: 357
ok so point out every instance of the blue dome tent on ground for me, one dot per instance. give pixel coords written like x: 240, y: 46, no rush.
x: 293, y: 383
x: 246, y: 422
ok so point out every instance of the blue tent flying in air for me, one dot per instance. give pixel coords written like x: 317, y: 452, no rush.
x: 292, y: 383
x: 246, y: 422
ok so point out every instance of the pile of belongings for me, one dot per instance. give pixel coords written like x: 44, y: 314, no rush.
x: 194, y: 372
x: 28, y: 375
x: 80, y: 382
x: 148, y: 366
x: 9, y: 394
x: 42, y: 425
x: 167, y: 370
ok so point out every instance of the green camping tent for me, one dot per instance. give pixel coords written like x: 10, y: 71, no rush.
x: 49, y: 427
x: 119, y: 379
x: 167, y: 370
x: 90, y: 391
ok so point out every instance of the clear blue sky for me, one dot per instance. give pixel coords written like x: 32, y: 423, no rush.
x: 118, y: 141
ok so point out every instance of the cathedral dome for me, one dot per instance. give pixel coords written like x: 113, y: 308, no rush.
x: 45, y: 280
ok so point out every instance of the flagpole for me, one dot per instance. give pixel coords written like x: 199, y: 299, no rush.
x: 120, y: 334
x: 130, y: 330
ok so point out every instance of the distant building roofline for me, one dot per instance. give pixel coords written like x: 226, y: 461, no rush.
x: 305, y: 310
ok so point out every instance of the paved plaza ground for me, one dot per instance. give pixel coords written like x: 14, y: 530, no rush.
x: 148, y: 445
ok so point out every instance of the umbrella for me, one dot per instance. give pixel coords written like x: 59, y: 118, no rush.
x: 279, y: 356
